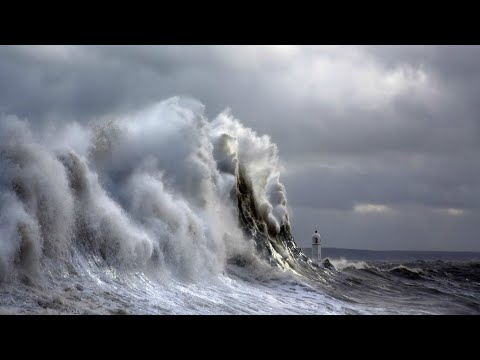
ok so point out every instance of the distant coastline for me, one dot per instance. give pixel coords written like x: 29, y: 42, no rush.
x: 395, y: 255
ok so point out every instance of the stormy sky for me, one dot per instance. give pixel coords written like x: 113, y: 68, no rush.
x: 380, y: 144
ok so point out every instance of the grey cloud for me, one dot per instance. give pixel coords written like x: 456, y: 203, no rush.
x: 437, y: 183
x: 342, y: 140
x: 412, y: 228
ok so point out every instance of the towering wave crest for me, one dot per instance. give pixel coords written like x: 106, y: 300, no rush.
x: 163, y: 190
x: 165, y: 211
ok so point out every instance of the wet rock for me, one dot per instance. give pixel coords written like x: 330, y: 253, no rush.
x: 328, y: 265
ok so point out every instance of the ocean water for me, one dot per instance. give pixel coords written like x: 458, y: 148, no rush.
x: 163, y: 211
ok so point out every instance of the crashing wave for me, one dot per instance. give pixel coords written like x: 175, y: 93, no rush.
x: 163, y: 189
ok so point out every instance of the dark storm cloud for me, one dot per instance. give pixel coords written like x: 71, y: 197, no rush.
x: 408, y: 228
x: 86, y: 81
x: 437, y: 183
x: 393, y: 126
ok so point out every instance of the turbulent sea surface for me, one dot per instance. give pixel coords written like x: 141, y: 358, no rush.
x: 164, y: 211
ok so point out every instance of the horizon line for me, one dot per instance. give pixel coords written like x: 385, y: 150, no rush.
x: 439, y: 251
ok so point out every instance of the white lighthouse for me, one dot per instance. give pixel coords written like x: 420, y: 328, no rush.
x: 316, y: 247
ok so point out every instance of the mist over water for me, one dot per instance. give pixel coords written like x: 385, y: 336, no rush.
x: 162, y: 211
